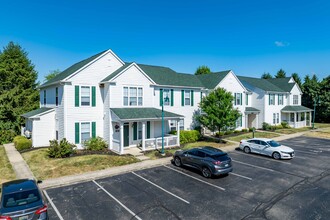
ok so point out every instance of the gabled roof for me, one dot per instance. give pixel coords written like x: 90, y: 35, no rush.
x: 259, y: 83
x: 211, y: 80
x: 64, y: 74
x: 282, y: 83
x: 251, y: 109
x: 114, y: 74
x: 36, y: 112
x: 296, y: 108
x: 142, y: 114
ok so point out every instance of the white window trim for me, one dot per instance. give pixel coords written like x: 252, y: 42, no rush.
x: 238, y: 97
x: 187, y: 92
x: 169, y: 97
x: 128, y: 96
x: 293, y: 99
x: 90, y: 130
x: 282, y: 99
x: 90, y: 96
x: 272, y: 95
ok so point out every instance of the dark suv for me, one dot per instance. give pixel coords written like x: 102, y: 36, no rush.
x: 22, y: 200
x: 209, y: 160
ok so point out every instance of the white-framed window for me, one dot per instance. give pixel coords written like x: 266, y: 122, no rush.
x: 133, y: 96
x: 238, y: 98
x: 56, y: 96
x: 280, y: 99
x: 181, y: 124
x: 85, y: 131
x: 85, y: 96
x: 295, y: 99
x: 271, y: 99
x: 247, y: 99
x: 277, y: 118
x: 239, y: 122
x: 274, y: 118
x: 172, y: 125
x: 45, y: 97
x: 187, y: 97
x: 167, y: 96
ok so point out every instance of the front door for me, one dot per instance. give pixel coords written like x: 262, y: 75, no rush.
x: 126, y: 135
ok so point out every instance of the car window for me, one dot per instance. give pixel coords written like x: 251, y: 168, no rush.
x: 273, y: 143
x: 254, y: 141
x: 193, y: 152
x: 201, y: 154
x: 220, y: 157
x: 20, y: 198
x: 263, y: 143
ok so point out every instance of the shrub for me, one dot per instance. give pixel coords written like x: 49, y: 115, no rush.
x: 60, y: 149
x: 174, y: 132
x: 189, y: 136
x: 22, y: 143
x: 245, y: 130
x: 219, y: 134
x: 279, y: 126
x: 266, y: 126
x: 251, y: 129
x: 236, y: 131
x: 6, y: 136
x: 228, y: 132
x: 285, y: 124
x: 96, y: 144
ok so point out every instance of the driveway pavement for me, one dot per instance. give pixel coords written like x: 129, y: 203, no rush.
x: 258, y: 188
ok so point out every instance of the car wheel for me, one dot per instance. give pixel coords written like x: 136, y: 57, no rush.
x: 206, y: 172
x: 247, y: 150
x: 177, y: 162
x: 276, y: 155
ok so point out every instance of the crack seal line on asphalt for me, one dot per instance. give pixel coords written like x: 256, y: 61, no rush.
x: 218, y: 187
x: 161, y: 188
x: 53, y: 205
x: 125, y: 207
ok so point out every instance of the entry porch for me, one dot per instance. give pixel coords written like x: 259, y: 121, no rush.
x: 297, y: 116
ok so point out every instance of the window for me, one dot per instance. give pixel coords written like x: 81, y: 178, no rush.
x: 239, y: 122
x: 166, y: 97
x: 133, y: 96
x: 56, y: 135
x: 172, y: 125
x: 280, y: 99
x: 295, y: 99
x: 85, y: 131
x: 247, y: 99
x: 238, y: 98
x: 271, y: 99
x: 139, y: 130
x: 44, y: 97
x: 277, y: 118
x: 274, y: 118
x: 291, y: 117
x: 186, y: 97
x: 56, y: 96
x: 85, y: 96
x: 181, y: 124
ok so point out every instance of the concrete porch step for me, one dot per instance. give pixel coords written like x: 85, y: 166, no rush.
x: 142, y: 158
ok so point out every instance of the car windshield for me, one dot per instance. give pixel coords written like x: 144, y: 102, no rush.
x: 20, y: 198
x: 273, y: 143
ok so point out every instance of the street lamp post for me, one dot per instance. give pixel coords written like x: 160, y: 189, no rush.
x: 166, y: 99
x: 316, y: 102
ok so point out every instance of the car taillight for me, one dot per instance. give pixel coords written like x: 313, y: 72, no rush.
x: 217, y: 162
x: 5, y: 218
x: 41, y: 210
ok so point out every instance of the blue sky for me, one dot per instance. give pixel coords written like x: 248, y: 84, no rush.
x: 249, y: 37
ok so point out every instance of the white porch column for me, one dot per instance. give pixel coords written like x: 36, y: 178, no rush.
x: 121, y: 148
x: 295, y: 120
x: 257, y: 120
x: 246, y: 121
x: 305, y: 119
x: 178, y: 132
x: 143, y: 136
x: 310, y: 119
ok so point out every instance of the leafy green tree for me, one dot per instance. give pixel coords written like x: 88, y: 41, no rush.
x: 18, y: 93
x: 266, y: 76
x: 52, y: 74
x: 297, y: 79
x: 219, y: 111
x: 310, y: 89
x: 323, y: 110
x: 280, y: 74
x: 202, y: 70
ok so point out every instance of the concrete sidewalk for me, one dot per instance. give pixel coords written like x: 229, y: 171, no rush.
x: 20, y: 167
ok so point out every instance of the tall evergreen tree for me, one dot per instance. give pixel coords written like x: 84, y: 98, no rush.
x: 280, y: 74
x: 202, y: 70
x: 297, y: 79
x: 266, y: 76
x: 323, y: 111
x: 52, y: 74
x: 311, y: 90
x: 18, y: 93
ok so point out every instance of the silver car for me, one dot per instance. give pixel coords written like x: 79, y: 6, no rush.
x: 267, y: 147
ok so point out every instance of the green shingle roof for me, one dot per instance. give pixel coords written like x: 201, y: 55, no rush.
x: 251, y: 109
x: 112, y: 75
x: 211, y: 80
x: 282, y: 83
x: 296, y: 108
x: 259, y: 83
x: 142, y: 113
x: 70, y: 70
x: 36, y: 112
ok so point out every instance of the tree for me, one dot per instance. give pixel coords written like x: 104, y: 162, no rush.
x: 52, y: 74
x: 310, y: 89
x: 18, y: 93
x: 266, y: 76
x: 323, y: 111
x: 280, y: 74
x: 202, y: 70
x: 219, y: 111
x: 297, y: 79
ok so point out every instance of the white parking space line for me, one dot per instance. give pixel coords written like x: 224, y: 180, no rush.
x: 300, y: 157
x: 262, y: 157
x: 245, y: 177
x: 310, y: 153
x: 159, y: 187
x: 251, y: 165
x: 130, y: 211
x: 53, y: 205
x: 218, y: 187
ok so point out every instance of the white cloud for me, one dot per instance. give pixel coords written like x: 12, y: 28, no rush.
x: 281, y: 44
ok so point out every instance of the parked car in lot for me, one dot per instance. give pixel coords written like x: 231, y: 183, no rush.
x: 22, y: 200
x: 209, y: 160
x: 267, y: 147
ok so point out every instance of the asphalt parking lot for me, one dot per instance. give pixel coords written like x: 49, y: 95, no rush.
x: 259, y: 188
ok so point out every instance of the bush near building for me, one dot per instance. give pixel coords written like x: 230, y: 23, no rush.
x: 22, y: 143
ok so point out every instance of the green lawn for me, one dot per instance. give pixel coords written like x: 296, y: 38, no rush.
x: 44, y: 167
x: 249, y: 135
x: 325, y: 133
x: 321, y: 125
x: 6, y: 170
x: 292, y: 130
x: 154, y: 154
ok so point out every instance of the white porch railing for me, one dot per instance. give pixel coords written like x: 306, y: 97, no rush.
x: 156, y: 143
x: 116, y: 145
x: 298, y: 124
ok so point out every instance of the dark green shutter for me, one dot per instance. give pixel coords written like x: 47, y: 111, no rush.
x: 235, y: 99
x: 241, y: 121
x: 77, y: 133
x: 192, y: 97
x: 135, y: 131
x: 201, y: 96
x: 241, y: 99
x: 182, y: 97
x: 247, y: 99
x: 148, y: 129
x: 161, y: 97
x: 76, y: 96
x: 269, y: 100
x: 172, y: 97
x: 93, y: 129
x: 93, y: 96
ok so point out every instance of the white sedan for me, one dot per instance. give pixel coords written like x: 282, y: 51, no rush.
x: 267, y: 147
